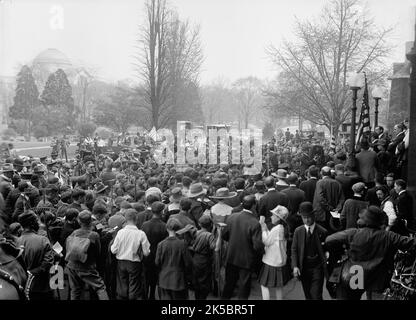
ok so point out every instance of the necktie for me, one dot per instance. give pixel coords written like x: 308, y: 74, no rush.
x: 309, y: 233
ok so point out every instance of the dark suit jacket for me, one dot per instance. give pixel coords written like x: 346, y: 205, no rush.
x: 367, y: 164
x: 296, y: 197
x: 174, y: 262
x: 298, y: 245
x: 269, y: 201
x: 309, y: 187
x: 155, y: 230
x: 142, y: 217
x: 371, y: 197
x: 328, y: 197
x: 346, y: 183
x: 245, y: 245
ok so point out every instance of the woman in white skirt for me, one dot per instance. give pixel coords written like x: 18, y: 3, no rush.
x: 274, y: 258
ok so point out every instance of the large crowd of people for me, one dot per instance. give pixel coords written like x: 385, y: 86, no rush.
x: 124, y: 227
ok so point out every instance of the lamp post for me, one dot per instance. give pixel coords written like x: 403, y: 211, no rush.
x: 377, y: 94
x: 355, y: 81
x: 411, y: 169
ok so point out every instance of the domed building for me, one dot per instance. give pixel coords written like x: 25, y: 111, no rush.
x: 47, y: 62
x: 52, y: 58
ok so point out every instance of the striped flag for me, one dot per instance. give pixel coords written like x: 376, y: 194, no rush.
x: 333, y: 141
x: 153, y: 134
x: 364, y: 123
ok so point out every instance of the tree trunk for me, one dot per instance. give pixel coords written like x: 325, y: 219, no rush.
x: 29, y: 129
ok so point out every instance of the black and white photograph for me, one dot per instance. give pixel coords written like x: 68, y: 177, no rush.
x: 224, y: 151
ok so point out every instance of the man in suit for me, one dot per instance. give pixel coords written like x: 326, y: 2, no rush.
x: 281, y: 176
x: 309, y: 185
x: 328, y: 197
x: 346, y: 181
x: 155, y: 230
x: 367, y: 163
x: 271, y: 200
x: 245, y: 247
x: 296, y: 197
x: 308, y: 258
x: 404, y: 206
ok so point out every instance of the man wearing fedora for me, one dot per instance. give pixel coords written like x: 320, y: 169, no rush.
x: 18, y: 164
x: 174, y: 203
x: 308, y: 258
x: 198, y: 202
x: 101, y: 190
x: 8, y: 171
x: 221, y: 210
x: 281, y: 176
x: 271, y: 200
x: 245, y: 249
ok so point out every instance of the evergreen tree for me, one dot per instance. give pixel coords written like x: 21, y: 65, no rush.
x: 58, y: 103
x: 26, y: 98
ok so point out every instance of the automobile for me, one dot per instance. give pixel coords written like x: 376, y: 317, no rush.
x: 20, y: 138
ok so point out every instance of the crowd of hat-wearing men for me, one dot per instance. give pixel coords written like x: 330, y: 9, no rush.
x: 159, y: 233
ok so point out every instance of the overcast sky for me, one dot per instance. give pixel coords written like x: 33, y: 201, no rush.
x: 235, y: 33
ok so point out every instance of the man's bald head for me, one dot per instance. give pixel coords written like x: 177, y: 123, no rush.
x: 248, y: 202
x: 269, y: 182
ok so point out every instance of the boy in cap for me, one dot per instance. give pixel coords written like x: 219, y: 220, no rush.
x: 175, y: 264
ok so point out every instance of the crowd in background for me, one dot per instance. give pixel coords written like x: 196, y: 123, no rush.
x: 123, y: 227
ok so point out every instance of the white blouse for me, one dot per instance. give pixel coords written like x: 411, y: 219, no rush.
x: 388, y: 208
x: 275, y: 246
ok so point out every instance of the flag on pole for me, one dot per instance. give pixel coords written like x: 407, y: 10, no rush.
x: 153, y: 134
x: 333, y: 142
x: 364, y: 123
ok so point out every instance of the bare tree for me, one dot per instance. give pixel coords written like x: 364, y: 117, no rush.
x: 248, y: 95
x: 170, y: 61
x: 218, y: 102
x: 343, y: 39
